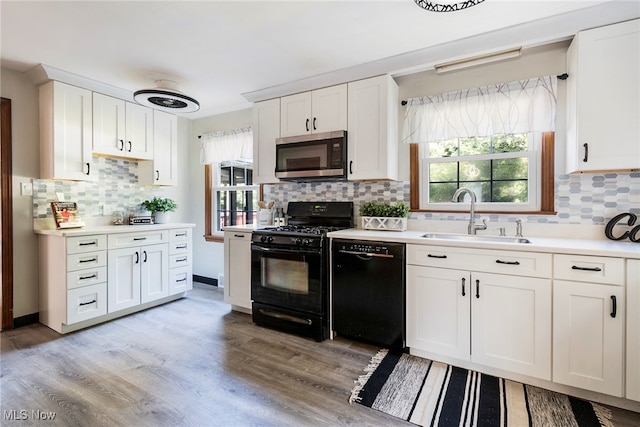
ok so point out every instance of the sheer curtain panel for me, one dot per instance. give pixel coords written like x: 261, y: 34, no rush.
x: 224, y: 146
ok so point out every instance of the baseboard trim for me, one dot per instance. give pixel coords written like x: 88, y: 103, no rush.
x: 28, y: 319
x: 205, y: 280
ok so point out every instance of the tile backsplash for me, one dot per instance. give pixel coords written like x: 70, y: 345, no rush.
x: 579, y: 199
x: 116, y: 189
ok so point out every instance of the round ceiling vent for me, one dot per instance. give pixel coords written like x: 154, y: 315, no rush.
x: 166, y: 97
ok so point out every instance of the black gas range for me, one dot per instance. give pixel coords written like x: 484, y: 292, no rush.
x: 290, y: 268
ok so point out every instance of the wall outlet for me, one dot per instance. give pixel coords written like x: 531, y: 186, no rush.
x: 26, y: 189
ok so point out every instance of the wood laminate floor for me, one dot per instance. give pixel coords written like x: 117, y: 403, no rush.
x: 192, y: 362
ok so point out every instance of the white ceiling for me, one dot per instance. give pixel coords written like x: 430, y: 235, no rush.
x: 219, y: 50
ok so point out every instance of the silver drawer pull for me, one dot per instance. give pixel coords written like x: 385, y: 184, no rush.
x: 181, y: 234
x: 88, y: 260
x: 575, y: 267
x: 181, y: 247
x: 139, y: 238
x: 181, y: 280
x: 181, y: 259
x: 93, y: 276
x: 88, y: 243
x: 88, y: 302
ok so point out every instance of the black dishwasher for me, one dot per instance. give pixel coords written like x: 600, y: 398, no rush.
x: 368, y: 291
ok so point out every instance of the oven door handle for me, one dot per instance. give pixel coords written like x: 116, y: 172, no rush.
x: 365, y: 254
x: 283, y: 251
x: 287, y: 317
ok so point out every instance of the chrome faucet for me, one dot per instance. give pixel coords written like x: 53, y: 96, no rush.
x: 473, y: 228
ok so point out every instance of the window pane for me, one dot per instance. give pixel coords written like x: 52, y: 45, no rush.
x: 511, y: 169
x: 510, y: 143
x: 510, y: 192
x: 442, y: 193
x: 443, y: 172
x: 474, y: 146
x: 225, y: 176
x: 443, y: 148
x: 239, y: 176
x: 479, y: 170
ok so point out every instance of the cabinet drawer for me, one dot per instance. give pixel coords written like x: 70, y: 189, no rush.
x: 180, y: 234
x: 90, y: 276
x: 530, y: 264
x: 80, y: 244
x: 180, y: 260
x: 179, y: 247
x: 83, y: 261
x: 593, y: 269
x: 86, y: 303
x: 124, y: 240
x: 180, y: 280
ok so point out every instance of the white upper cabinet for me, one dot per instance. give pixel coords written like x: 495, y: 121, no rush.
x: 122, y: 128
x: 266, y: 128
x: 603, y: 99
x: 321, y: 110
x: 372, y: 132
x: 65, y: 132
x: 163, y: 169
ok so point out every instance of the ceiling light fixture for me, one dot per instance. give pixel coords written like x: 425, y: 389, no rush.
x: 478, y: 60
x: 433, y: 6
x: 166, y: 97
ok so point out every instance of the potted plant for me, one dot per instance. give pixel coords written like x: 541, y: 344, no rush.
x: 384, y: 216
x: 160, y: 208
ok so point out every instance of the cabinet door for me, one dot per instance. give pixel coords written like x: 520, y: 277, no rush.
x: 373, y: 129
x: 139, y: 131
x: 237, y: 268
x: 123, y: 290
x: 266, y: 128
x: 588, y: 328
x: 163, y: 169
x: 295, y: 114
x: 329, y: 109
x: 108, y: 125
x: 633, y: 330
x: 438, y: 312
x: 154, y: 272
x: 603, y: 98
x: 511, y: 323
x: 65, y: 132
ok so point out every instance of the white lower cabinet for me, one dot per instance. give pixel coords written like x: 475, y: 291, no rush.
x: 589, y: 323
x: 497, y: 320
x: 137, y: 275
x: 237, y: 269
x: 633, y: 330
x: 85, y: 279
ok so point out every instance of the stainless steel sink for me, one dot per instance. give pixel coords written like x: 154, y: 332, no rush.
x: 475, y: 238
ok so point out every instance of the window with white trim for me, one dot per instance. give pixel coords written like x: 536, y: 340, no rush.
x: 487, y: 139
x: 236, y: 198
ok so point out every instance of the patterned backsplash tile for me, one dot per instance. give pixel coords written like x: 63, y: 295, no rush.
x: 580, y: 199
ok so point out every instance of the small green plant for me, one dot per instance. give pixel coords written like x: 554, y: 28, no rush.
x: 399, y: 210
x: 158, y: 204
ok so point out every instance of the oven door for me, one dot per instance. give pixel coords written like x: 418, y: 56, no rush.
x: 290, y: 278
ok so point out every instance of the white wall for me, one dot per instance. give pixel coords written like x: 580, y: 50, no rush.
x: 26, y: 166
x: 208, y: 257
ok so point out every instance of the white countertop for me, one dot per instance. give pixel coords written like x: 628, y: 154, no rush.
x: 109, y: 229
x: 538, y: 244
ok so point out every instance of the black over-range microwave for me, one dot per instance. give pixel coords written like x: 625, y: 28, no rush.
x: 318, y: 156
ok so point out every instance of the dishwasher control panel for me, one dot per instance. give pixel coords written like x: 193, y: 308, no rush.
x: 364, y: 248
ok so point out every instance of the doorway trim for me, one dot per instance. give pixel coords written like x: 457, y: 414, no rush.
x: 6, y: 214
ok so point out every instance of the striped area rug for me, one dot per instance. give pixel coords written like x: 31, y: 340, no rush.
x: 430, y: 393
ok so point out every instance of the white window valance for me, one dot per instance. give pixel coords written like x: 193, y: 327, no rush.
x: 224, y: 146
x: 518, y: 107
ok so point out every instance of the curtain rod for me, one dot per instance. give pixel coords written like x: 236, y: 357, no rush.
x: 563, y: 76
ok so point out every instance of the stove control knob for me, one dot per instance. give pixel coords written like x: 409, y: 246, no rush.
x: 306, y: 242
x: 269, y: 239
x: 263, y: 239
x: 299, y: 241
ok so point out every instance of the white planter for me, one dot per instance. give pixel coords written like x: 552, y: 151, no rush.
x: 382, y: 223
x: 161, y: 217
